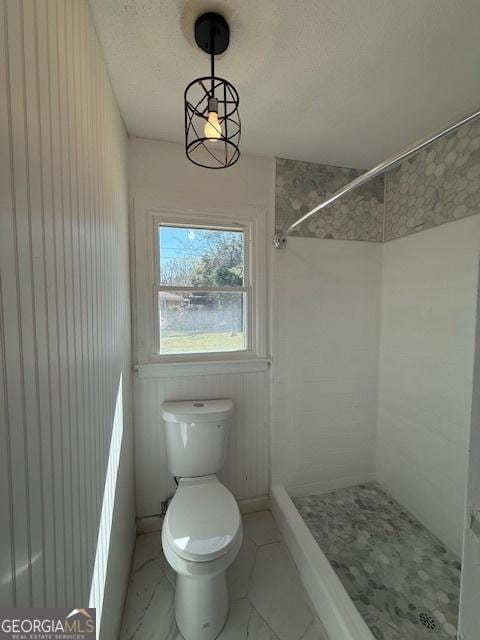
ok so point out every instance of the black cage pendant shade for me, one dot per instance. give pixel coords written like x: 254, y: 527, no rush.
x: 212, y: 120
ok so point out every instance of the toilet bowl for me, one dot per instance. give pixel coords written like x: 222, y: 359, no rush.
x: 201, y: 536
x: 202, y: 529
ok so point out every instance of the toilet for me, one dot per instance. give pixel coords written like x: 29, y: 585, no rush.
x: 202, y: 529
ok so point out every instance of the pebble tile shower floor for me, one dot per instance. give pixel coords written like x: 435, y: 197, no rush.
x: 402, y: 579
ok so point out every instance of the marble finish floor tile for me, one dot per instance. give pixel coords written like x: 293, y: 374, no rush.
x: 244, y: 623
x: 402, y: 579
x: 240, y: 572
x: 267, y: 598
x: 150, y: 595
x: 274, y: 592
x: 261, y: 528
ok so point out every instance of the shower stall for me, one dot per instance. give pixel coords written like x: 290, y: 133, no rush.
x: 374, y: 336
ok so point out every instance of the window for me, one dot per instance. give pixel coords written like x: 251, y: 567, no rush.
x: 202, y: 292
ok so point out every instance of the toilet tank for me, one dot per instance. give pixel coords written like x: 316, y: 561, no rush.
x: 196, y: 436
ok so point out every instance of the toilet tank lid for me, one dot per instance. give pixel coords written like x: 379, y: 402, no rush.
x: 197, y: 410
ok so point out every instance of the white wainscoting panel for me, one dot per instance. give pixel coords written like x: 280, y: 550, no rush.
x: 246, y: 472
x: 64, y: 304
x: 162, y: 179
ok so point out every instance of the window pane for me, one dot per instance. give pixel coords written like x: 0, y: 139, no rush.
x: 201, y: 322
x: 200, y: 257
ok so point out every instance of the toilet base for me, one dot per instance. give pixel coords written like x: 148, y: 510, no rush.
x: 201, y: 605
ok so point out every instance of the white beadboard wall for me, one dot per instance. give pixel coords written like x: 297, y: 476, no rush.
x: 161, y: 177
x: 326, y: 319
x: 246, y: 472
x: 64, y: 314
x: 426, y: 372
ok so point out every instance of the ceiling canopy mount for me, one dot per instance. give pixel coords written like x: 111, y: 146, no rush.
x: 212, y: 33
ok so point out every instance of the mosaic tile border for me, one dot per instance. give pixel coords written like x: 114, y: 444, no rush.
x: 302, y: 185
x: 440, y: 184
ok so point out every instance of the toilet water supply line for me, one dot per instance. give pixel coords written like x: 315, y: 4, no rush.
x: 280, y: 239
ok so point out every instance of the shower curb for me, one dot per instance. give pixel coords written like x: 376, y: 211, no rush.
x: 332, y: 603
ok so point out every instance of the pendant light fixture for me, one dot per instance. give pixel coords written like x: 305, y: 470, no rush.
x: 212, y: 121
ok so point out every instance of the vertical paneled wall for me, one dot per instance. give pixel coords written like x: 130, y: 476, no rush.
x: 159, y: 173
x: 64, y: 302
x: 246, y: 471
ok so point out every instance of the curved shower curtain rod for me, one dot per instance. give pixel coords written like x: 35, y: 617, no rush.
x: 280, y: 239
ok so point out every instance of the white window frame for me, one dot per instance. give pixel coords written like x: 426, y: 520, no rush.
x: 252, y: 222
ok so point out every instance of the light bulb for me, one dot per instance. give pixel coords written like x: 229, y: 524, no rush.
x: 213, y: 129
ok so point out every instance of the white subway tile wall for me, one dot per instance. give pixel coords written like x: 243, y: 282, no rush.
x: 426, y: 372
x: 325, y: 370
x: 470, y: 590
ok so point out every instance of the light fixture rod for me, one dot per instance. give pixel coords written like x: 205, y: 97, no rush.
x: 280, y: 239
x: 212, y: 57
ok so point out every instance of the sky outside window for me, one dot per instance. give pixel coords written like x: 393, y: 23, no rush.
x: 200, y: 257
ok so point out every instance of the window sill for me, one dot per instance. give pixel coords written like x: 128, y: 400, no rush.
x: 177, y: 369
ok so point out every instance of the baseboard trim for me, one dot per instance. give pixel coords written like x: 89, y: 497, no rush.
x: 252, y: 505
x: 149, y: 524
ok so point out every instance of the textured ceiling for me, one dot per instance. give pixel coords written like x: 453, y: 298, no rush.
x: 344, y: 82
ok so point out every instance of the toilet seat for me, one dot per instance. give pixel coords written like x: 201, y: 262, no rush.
x: 203, y: 521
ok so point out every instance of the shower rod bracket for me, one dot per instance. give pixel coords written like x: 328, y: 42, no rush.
x: 279, y: 240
